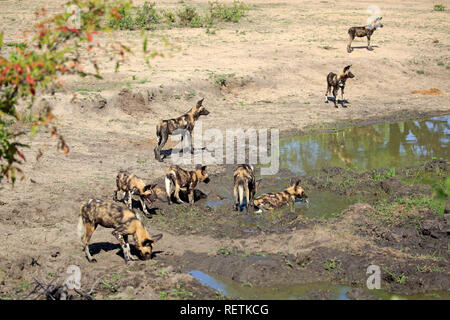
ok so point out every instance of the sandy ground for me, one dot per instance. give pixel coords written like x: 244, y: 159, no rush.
x: 279, y: 56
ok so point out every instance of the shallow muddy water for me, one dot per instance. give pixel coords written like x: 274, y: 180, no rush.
x: 389, y: 144
x: 233, y: 289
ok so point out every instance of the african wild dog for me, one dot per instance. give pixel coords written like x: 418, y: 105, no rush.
x: 270, y: 201
x: 365, y: 31
x: 130, y: 184
x: 185, y: 181
x: 124, y: 222
x: 185, y: 122
x: 244, y: 181
x: 337, y: 81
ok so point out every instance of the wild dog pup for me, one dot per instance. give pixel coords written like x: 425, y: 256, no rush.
x: 186, y: 122
x: 337, y: 81
x: 270, y: 201
x: 184, y: 180
x: 365, y: 31
x: 244, y: 181
x: 124, y: 222
x: 130, y: 184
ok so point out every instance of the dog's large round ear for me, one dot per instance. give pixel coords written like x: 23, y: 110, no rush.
x: 200, y: 102
x: 157, y: 237
x: 257, y: 183
x: 347, y: 68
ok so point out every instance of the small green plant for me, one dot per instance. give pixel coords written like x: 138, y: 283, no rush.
x: 439, y: 7
x: 227, y: 13
x: 420, y: 71
x: 147, y: 16
x: 225, y: 251
x: 124, y: 20
x: 331, y: 264
x: 20, y: 45
x: 221, y: 78
x: 400, y: 278
x: 189, y: 17
x: 163, y: 295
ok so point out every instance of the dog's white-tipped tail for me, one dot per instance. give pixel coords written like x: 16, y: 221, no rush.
x: 80, y: 226
x: 168, y: 186
x: 241, y: 194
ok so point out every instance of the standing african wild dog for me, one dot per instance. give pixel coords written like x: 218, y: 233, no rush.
x: 365, y: 31
x: 130, y: 184
x: 244, y: 180
x: 270, y: 201
x: 185, y: 122
x: 337, y: 81
x: 124, y: 222
x: 184, y: 180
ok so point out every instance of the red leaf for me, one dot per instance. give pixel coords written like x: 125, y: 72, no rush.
x: 30, y: 80
x: 89, y: 36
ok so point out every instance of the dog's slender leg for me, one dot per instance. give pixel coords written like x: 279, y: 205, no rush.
x: 144, y: 206
x: 342, y: 93
x: 89, y: 230
x: 247, y: 195
x: 369, y: 47
x: 161, y: 143
x: 129, y: 200
x: 236, y: 197
x: 349, y: 45
x: 326, y: 93
x: 335, y: 92
x: 177, y: 193
x: 125, y: 247
x: 115, y: 195
x: 191, y: 197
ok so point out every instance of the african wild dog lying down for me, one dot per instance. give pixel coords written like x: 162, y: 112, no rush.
x: 365, y: 31
x: 270, y: 201
x: 185, y: 122
x: 130, y: 184
x: 185, y: 181
x: 337, y: 81
x: 244, y: 181
x: 124, y: 222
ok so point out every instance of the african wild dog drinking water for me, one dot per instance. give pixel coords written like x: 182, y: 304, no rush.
x: 365, y: 31
x: 244, y: 181
x: 130, y: 184
x: 185, y: 122
x: 270, y: 201
x: 185, y: 181
x: 337, y: 81
x: 124, y: 222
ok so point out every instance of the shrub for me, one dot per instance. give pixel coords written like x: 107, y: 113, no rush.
x: 227, y: 13
x: 147, y: 16
x: 124, y: 20
x: 439, y: 7
x: 190, y: 17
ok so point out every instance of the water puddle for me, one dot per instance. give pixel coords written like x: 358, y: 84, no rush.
x: 382, y: 145
x: 232, y: 289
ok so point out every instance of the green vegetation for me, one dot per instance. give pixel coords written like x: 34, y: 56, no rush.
x: 399, y: 278
x: 147, y: 17
x: 38, y: 64
x: 439, y: 7
x: 113, y: 282
x: 220, y: 78
x: 378, y: 176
